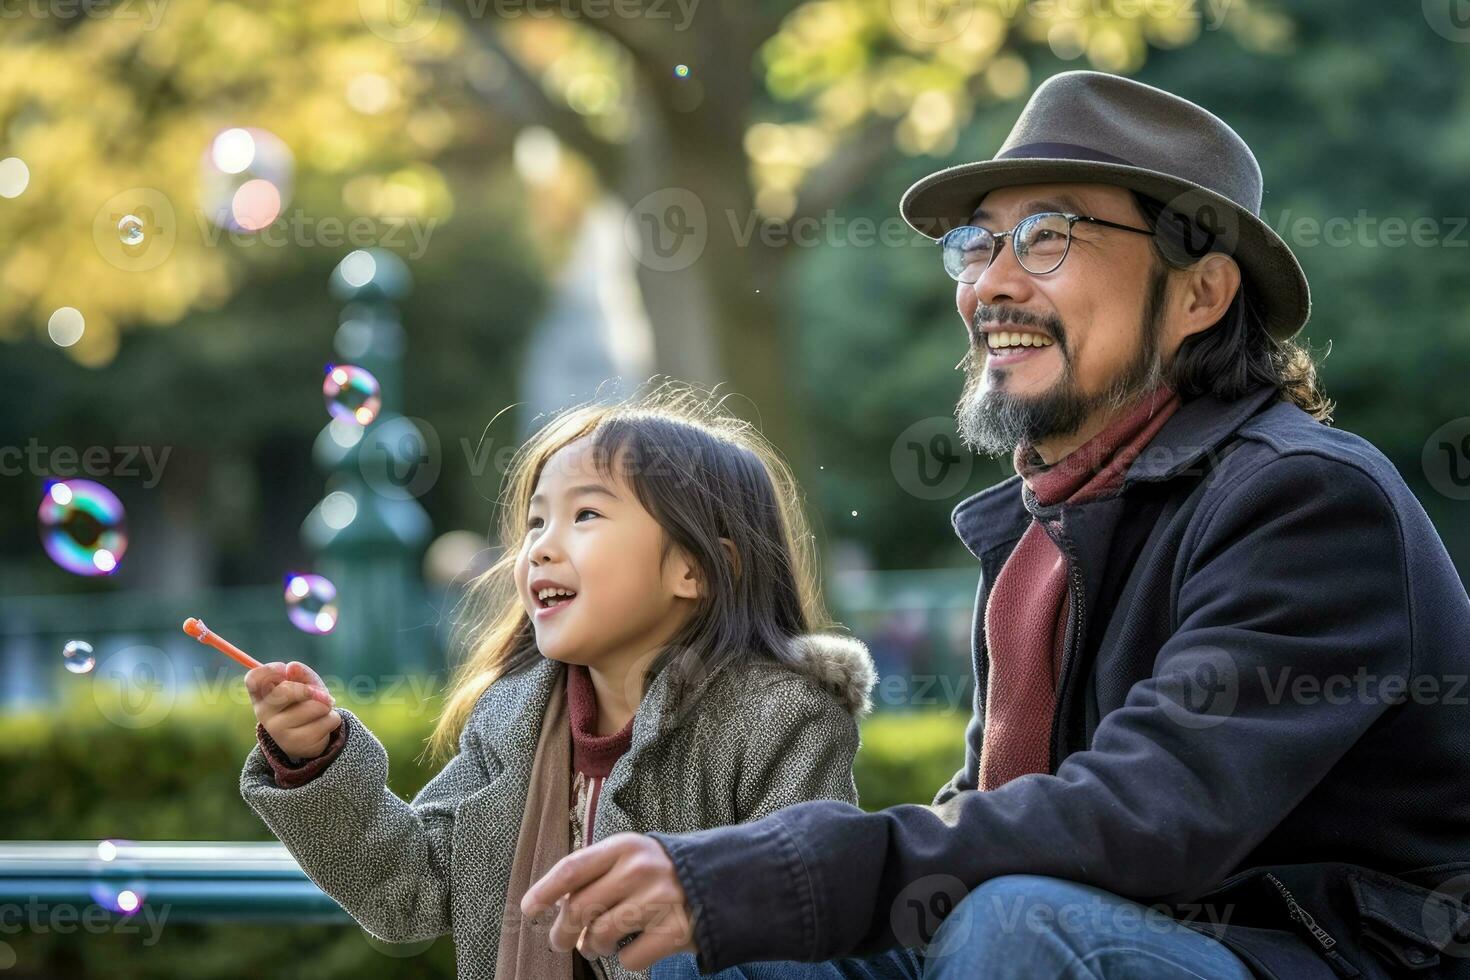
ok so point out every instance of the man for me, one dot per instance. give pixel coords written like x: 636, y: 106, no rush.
x: 1220, y: 724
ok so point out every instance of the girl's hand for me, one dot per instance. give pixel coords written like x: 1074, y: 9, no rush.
x: 292, y: 702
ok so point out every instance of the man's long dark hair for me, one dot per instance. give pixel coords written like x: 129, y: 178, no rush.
x: 1237, y: 354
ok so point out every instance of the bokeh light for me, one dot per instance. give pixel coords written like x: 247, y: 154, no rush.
x: 83, y: 527
x: 311, y: 603
x: 124, y: 898
x: 352, y: 393
x: 371, y: 93
x: 256, y: 204
x: 66, y: 326
x: 15, y: 176
x: 78, y: 657
x: 357, y: 268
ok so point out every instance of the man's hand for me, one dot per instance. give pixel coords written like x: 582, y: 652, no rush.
x: 618, y: 886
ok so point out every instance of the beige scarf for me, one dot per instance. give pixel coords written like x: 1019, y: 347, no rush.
x: 544, y: 839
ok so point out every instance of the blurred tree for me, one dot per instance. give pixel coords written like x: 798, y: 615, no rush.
x: 729, y: 171
x: 732, y: 130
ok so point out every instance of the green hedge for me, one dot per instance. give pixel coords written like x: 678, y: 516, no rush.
x: 72, y: 773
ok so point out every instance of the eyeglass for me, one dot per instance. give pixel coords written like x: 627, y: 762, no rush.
x: 1040, y: 242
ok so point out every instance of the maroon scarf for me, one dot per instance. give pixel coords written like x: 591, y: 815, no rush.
x: 1026, y: 614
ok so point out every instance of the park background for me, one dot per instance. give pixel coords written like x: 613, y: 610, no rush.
x: 503, y: 208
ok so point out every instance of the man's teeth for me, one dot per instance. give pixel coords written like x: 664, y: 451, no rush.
x: 1007, y: 338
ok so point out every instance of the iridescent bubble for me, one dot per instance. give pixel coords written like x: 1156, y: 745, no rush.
x: 130, y: 229
x: 82, y: 527
x: 245, y: 179
x: 78, y: 656
x: 682, y: 71
x: 311, y: 603
x: 352, y: 393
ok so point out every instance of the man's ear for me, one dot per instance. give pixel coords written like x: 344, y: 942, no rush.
x: 1206, y: 291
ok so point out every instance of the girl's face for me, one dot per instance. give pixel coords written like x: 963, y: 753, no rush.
x: 594, y: 538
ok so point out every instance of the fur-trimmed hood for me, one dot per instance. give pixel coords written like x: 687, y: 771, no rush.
x: 839, y: 663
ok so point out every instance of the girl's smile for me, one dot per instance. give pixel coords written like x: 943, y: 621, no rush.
x: 550, y: 598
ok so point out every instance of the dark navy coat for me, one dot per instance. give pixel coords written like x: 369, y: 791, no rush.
x: 1263, y: 723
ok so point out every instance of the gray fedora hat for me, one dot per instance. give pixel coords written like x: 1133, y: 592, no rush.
x: 1092, y: 127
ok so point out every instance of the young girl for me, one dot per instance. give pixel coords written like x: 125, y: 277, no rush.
x: 641, y: 659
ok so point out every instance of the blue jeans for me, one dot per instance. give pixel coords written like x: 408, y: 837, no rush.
x: 1022, y: 927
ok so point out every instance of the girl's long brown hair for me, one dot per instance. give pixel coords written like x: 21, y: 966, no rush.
x: 702, y: 475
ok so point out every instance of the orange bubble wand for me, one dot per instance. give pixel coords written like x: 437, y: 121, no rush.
x: 197, y: 629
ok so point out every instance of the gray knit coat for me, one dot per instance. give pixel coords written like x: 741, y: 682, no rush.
x: 750, y: 740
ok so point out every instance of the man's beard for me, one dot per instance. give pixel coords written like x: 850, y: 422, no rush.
x: 994, y: 421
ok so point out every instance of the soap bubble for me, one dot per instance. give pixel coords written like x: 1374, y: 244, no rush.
x: 78, y: 656
x: 245, y: 179
x: 130, y: 230
x: 311, y: 603
x: 682, y: 71
x: 352, y: 393
x: 82, y: 527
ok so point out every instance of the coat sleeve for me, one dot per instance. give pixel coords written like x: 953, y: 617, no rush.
x: 386, y: 862
x: 1293, y: 569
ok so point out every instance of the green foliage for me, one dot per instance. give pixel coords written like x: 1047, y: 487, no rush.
x: 906, y: 758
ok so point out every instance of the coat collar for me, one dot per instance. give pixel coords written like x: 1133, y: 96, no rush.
x: 997, y: 516
x: 509, y: 717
